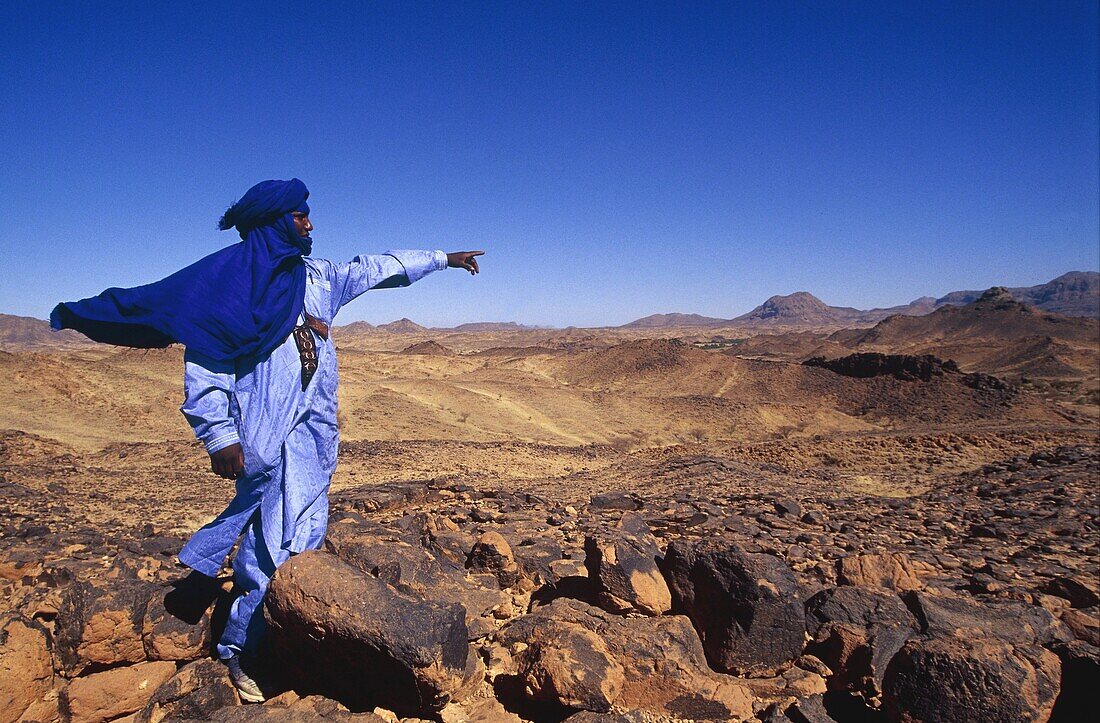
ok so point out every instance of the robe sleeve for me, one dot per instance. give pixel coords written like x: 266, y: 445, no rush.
x: 207, y: 385
x: 382, y: 271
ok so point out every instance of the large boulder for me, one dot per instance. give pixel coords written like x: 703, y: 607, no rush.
x: 979, y: 680
x: 571, y: 665
x: 856, y: 632
x: 747, y: 607
x: 964, y: 617
x: 492, y: 554
x: 409, y: 567
x: 623, y: 567
x: 354, y: 638
x: 104, y: 696
x: 196, y: 691
x: 663, y: 667
x: 100, y: 624
x: 167, y: 635
x: 26, y: 671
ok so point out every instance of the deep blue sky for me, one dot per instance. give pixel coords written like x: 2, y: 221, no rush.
x: 613, y: 160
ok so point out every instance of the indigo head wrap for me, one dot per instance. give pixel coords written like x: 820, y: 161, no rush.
x: 241, y: 301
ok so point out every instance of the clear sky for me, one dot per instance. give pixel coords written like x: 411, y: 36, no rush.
x: 614, y: 160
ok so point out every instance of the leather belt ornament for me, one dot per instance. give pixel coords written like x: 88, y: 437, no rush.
x: 307, y: 347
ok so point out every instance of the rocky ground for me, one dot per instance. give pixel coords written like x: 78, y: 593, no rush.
x: 933, y: 576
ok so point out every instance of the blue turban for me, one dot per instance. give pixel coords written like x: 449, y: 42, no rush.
x: 243, y: 300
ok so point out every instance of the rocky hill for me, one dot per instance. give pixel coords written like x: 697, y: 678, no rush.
x: 402, y: 326
x: 24, y: 332
x: 1076, y: 293
x: 659, y: 321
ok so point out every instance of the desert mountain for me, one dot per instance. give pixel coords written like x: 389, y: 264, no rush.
x: 798, y: 309
x: 402, y: 326
x: 19, y: 333
x: 491, y: 326
x: 1076, y: 293
x: 994, y: 315
x: 356, y: 327
x: 658, y: 321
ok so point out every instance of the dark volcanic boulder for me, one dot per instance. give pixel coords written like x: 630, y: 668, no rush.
x: 979, y: 680
x: 354, y: 638
x: 856, y: 632
x: 746, y: 607
x: 409, y: 567
x: 101, y: 625
x: 166, y: 635
x: 194, y: 692
x: 1081, y: 590
x: 623, y: 567
x: 1013, y: 622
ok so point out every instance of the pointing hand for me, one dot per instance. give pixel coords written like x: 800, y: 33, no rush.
x: 464, y: 260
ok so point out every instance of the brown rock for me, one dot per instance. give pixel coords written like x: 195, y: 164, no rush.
x: 623, y: 567
x: 890, y: 570
x: 196, y: 691
x: 26, y: 670
x: 101, y: 625
x: 166, y: 636
x: 1081, y: 590
x: 492, y: 553
x: 103, y: 696
x: 1084, y: 624
x: 747, y: 607
x: 354, y: 638
x: 569, y: 664
x: 310, y: 709
x: 482, y: 710
x: 664, y: 668
x: 979, y: 680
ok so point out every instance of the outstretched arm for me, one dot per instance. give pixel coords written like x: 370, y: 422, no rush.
x: 389, y: 270
x: 207, y: 385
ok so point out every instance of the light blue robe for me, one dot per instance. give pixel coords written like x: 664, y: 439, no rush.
x: 289, y: 437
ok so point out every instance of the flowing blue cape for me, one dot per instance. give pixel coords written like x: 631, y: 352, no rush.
x: 243, y: 300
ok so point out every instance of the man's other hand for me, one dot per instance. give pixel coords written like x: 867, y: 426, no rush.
x: 464, y: 260
x: 228, y: 462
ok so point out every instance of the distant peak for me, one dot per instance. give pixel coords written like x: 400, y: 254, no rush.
x: 999, y: 298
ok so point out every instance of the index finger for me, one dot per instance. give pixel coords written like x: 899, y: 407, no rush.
x: 475, y: 253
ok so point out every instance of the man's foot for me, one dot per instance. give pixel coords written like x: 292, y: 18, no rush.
x: 247, y: 688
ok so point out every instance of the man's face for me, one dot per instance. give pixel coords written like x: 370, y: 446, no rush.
x: 301, y: 223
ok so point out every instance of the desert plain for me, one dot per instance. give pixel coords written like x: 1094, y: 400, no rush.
x: 803, y: 514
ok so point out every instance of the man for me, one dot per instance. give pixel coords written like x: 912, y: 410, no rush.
x: 260, y: 383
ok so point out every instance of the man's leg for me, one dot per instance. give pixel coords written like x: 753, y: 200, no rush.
x: 252, y: 571
x: 244, y: 630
